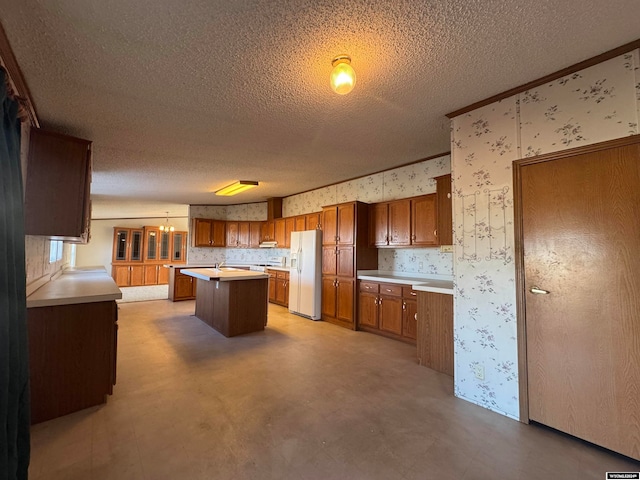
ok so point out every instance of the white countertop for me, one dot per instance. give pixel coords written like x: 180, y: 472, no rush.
x: 225, y: 274
x: 78, y: 285
x: 418, y: 282
x: 281, y: 269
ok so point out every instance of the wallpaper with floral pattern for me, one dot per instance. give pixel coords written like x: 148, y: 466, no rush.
x: 403, y: 182
x: 596, y: 104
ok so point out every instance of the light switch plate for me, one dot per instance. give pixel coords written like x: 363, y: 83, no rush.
x: 446, y: 248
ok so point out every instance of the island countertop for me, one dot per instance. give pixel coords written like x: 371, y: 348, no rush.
x: 224, y: 274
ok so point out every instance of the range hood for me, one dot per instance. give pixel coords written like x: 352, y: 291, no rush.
x: 271, y: 244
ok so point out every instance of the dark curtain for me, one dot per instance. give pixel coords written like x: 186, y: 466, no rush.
x: 14, y: 359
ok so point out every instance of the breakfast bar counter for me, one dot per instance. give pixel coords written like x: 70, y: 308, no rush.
x: 230, y: 300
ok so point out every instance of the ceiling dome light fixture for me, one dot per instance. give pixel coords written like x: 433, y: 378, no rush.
x: 343, y: 77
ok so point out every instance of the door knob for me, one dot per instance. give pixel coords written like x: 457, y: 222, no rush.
x: 538, y: 291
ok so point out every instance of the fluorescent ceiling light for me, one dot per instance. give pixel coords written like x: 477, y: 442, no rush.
x: 237, y: 187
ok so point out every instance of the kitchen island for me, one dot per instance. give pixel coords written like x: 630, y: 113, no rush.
x: 230, y: 300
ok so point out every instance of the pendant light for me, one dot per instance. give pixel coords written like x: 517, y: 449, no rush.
x: 166, y: 227
x: 343, y: 77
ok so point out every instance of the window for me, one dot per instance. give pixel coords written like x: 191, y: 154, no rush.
x: 55, y: 251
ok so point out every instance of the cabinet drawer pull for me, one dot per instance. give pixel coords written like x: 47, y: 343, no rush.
x: 413, y: 294
x: 388, y: 289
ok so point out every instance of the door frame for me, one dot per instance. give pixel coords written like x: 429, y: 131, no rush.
x: 521, y: 321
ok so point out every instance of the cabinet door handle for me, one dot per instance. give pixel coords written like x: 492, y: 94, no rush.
x: 413, y: 237
x: 539, y: 291
x: 415, y: 316
x: 379, y: 301
x: 435, y: 233
x: 404, y: 305
x: 375, y: 301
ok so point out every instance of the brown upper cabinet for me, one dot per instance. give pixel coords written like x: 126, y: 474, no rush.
x: 338, y: 224
x: 58, y: 187
x: 300, y: 223
x: 424, y: 220
x: 403, y: 223
x: 289, y: 226
x: 208, y: 233
x: 313, y: 221
x: 239, y: 234
x: 255, y: 234
x: 445, y: 223
x: 390, y: 224
x: 268, y: 231
x: 280, y: 232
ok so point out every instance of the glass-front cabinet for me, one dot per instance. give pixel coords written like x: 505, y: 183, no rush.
x: 151, y: 242
x: 127, y: 245
x: 139, y: 252
x: 179, y: 247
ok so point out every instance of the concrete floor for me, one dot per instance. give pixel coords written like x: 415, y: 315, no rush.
x: 301, y: 400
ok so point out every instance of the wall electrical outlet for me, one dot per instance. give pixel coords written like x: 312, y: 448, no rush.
x: 446, y: 248
x: 478, y: 371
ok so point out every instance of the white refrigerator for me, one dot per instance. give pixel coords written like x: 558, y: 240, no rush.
x: 305, y: 277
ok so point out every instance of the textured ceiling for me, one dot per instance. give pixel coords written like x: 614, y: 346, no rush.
x: 182, y: 98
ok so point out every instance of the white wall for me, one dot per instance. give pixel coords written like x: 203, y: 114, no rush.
x: 596, y: 104
x: 99, y: 249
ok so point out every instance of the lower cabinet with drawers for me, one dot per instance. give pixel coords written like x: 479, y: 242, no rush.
x: 279, y: 287
x: 388, y: 309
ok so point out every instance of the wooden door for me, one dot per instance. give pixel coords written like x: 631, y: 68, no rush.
x: 202, y: 232
x: 346, y: 224
x: 329, y: 226
x: 218, y: 233
x: 163, y: 275
x: 151, y: 274
x: 164, y: 247
x: 289, y: 226
x: 390, y: 308
x: 368, y: 310
x: 329, y: 261
x: 329, y: 297
x: 137, y: 243
x: 345, y: 299
x: 121, y: 242
x: 300, y: 224
x: 183, y: 287
x: 272, y: 286
x: 435, y: 331
x: 232, y: 234
x: 379, y: 224
x: 581, y: 233
x: 244, y: 234
x: 400, y: 223
x: 136, y: 278
x: 344, y: 264
x: 121, y: 275
x: 423, y: 220
x: 255, y: 232
x: 313, y: 221
x: 409, y: 318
